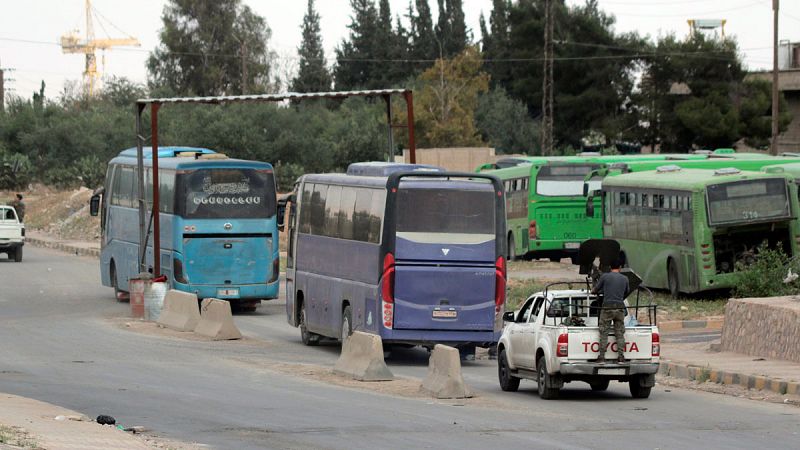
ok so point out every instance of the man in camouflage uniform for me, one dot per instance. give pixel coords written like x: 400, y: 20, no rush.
x: 615, y: 287
x: 19, y: 206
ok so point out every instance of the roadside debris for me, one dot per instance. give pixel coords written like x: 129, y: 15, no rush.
x: 106, y: 420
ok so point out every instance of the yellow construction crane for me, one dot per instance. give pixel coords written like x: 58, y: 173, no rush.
x: 72, y: 43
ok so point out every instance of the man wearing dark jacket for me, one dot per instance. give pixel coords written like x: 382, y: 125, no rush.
x: 615, y: 288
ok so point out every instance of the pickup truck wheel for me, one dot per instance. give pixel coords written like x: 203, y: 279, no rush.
x: 599, y: 385
x: 508, y: 382
x: 637, y: 390
x: 545, y: 381
x: 310, y: 339
x: 18, y: 254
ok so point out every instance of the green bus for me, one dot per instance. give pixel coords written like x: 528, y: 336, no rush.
x: 545, y: 202
x: 688, y: 230
x: 557, y: 221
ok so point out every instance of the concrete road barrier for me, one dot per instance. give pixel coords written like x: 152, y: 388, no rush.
x: 444, y: 378
x: 180, y: 311
x: 216, y: 321
x: 362, y: 358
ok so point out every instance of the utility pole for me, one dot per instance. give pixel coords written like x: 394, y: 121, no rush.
x: 775, y: 91
x: 2, y: 93
x: 547, y: 81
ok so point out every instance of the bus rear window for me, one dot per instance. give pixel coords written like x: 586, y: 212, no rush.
x: 748, y: 200
x: 233, y: 193
x: 566, y: 180
x: 445, y: 211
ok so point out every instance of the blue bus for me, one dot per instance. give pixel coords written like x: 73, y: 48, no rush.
x: 416, y: 257
x: 219, y: 232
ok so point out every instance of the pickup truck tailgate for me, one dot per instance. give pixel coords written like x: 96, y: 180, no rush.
x: 583, y: 343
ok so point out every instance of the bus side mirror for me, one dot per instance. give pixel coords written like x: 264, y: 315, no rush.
x: 590, y: 206
x: 94, y: 205
x: 585, y: 188
x: 281, y: 214
x: 508, y: 316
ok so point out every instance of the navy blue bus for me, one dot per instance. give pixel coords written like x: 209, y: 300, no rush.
x: 416, y: 257
x: 219, y: 231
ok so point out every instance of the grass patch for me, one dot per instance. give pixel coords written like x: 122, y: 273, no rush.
x: 519, y: 291
x: 16, y: 437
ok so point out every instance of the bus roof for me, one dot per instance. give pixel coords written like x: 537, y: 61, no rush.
x: 712, y: 163
x: 381, y: 181
x: 166, y: 152
x: 168, y: 161
x: 673, y: 177
x: 384, y: 169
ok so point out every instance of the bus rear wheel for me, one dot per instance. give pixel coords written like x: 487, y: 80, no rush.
x: 306, y: 336
x: 347, y: 323
x: 672, y: 279
x: 512, y: 252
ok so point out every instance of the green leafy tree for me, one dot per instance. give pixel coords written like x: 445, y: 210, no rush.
x: 447, y: 100
x: 754, y: 100
x: 312, y: 74
x: 496, y: 42
x: 211, y: 47
x: 423, y: 37
x: 504, y: 123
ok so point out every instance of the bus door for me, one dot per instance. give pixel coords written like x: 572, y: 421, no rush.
x: 291, y: 221
x: 445, y: 256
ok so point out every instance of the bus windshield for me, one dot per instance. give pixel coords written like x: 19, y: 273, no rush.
x: 446, y: 215
x: 748, y: 200
x: 566, y: 180
x: 229, y: 193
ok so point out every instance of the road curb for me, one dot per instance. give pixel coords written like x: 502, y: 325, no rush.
x: 711, y: 323
x: 754, y: 382
x: 66, y: 248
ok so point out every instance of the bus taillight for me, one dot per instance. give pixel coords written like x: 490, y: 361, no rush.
x: 533, y: 232
x: 500, y: 284
x: 387, y: 290
x: 177, y: 271
x: 276, y: 270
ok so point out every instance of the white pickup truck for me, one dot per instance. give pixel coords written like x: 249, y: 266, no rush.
x: 553, y: 339
x: 12, y: 233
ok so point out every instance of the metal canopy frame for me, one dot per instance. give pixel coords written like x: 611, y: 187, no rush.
x: 155, y: 105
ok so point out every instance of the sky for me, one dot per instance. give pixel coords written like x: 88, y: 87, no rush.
x: 30, y: 30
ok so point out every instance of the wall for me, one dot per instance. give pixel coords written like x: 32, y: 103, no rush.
x: 461, y: 159
x: 763, y: 327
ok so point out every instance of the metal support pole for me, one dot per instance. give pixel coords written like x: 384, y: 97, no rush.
x: 412, y: 145
x: 156, y: 222
x: 775, y: 92
x: 140, y: 198
x: 388, y: 99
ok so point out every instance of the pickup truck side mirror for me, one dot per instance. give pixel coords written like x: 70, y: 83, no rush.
x: 94, y: 205
x: 281, y: 214
x: 508, y: 316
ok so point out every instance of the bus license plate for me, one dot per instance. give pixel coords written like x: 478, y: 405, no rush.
x: 227, y: 292
x: 572, y: 245
x: 439, y: 314
x: 611, y: 371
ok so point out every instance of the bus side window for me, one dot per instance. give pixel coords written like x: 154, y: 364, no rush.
x: 347, y: 207
x: 376, y: 216
x: 305, y: 209
x: 317, y: 213
x: 166, y: 191
x: 332, y: 211
x: 361, y: 214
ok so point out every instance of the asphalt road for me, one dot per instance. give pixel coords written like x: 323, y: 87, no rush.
x: 61, y: 342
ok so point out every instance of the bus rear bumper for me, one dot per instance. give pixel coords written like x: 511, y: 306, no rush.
x: 261, y: 291
x: 430, y: 338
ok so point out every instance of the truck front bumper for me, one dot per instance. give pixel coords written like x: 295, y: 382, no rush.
x: 590, y: 368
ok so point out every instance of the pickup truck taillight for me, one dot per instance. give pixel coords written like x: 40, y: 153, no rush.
x: 562, y: 348
x: 499, y: 284
x: 656, y: 344
x: 387, y: 290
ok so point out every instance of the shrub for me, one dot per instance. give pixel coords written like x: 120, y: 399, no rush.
x: 765, y: 276
x: 286, y: 175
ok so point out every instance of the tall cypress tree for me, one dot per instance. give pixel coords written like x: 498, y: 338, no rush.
x: 423, y: 36
x: 451, y: 28
x: 353, y: 68
x: 496, y: 45
x: 313, y: 75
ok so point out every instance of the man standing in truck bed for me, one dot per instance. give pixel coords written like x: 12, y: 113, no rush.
x: 614, y: 287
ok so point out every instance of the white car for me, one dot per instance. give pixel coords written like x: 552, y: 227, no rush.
x: 12, y: 233
x: 553, y: 339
